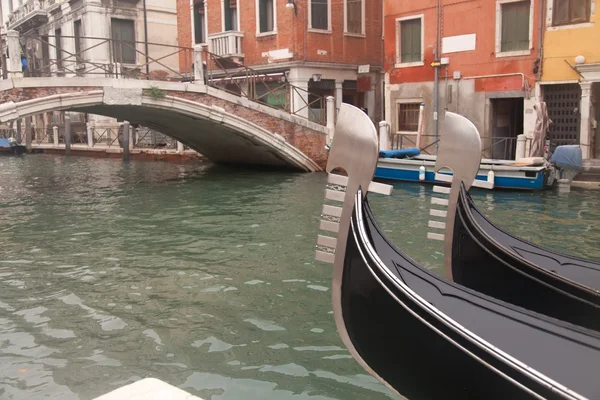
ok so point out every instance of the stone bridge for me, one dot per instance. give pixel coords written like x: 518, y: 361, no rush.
x: 223, y: 127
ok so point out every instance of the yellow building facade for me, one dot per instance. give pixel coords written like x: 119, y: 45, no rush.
x: 570, y: 82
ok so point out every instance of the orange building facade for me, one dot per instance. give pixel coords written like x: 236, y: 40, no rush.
x: 324, y: 47
x: 487, y: 59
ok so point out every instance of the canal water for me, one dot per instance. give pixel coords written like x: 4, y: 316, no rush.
x: 201, y: 276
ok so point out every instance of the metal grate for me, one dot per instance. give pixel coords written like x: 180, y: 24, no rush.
x: 408, y: 117
x: 563, y: 109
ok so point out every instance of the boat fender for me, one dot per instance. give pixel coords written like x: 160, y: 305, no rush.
x: 490, y: 177
x: 422, y: 173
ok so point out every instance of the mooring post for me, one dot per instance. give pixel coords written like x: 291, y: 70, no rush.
x: 330, y: 117
x: 179, y: 147
x: 18, y: 135
x: 90, y: 133
x: 55, y: 135
x: 384, y: 140
x: 67, y: 135
x: 198, y: 65
x: 28, y: 138
x: 126, y: 149
x: 15, y: 67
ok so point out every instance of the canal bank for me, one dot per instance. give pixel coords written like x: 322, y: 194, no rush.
x: 202, y: 276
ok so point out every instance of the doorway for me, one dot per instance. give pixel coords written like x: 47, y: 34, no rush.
x: 507, y: 124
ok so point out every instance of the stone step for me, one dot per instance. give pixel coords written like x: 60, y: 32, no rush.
x: 587, y: 177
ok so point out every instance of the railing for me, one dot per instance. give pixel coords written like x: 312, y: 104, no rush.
x: 26, y: 9
x: 226, y: 44
x: 404, y: 140
x: 499, y: 148
x: 104, y: 57
x: 276, y: 92
x: 148, y: 138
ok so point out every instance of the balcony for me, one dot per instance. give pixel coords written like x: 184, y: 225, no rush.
x: 226, y: 44
x: 31, y: 15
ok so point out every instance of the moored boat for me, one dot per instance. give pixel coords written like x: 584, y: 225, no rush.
x: 423, y: 336
x: 11, y: 147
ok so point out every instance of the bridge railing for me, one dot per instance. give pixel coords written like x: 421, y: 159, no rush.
x: 53, y: 55
x: 234, y: 77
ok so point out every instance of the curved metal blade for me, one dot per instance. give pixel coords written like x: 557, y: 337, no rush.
x: 355, y: 149
x: 459, y: 150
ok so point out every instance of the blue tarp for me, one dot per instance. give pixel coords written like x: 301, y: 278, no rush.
x: 568, y: 157
x: 4, y: 143
x: 402, y: 153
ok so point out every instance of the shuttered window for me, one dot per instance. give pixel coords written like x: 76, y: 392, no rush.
x: 230, y: 10
x: 410, y: 40
x: 319, y: 14
x: 78, y: 40
x: 123, y: 35
x: 515, y: 26
x: 408, y: 117
x: 266, y: 15
x: 354, y: 16
x: 567, y: 12
x: 199, y: 22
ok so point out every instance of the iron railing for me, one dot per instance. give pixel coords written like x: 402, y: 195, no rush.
x: 233, y: 77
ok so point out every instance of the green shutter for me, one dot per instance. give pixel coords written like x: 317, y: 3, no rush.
x: 515, y: 26
x: 410, y: 40
x: 123, y: 34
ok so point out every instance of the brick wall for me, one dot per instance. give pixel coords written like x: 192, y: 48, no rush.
x: 292, y: 33
x: 184, y: 32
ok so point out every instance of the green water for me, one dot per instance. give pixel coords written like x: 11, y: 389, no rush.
x: 201, y: 276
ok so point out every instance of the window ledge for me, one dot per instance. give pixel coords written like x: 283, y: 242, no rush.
x: 411, y: 133
x: 358, y: 35
x: 570, y: 26
x: 513, y: 53
x: 265, y: 34
x: 323, y: 31
x: 409, y: 64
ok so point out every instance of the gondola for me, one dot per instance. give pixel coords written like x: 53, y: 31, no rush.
x: 421, y: 335
x: 482, y: 257
x: 491, y: 261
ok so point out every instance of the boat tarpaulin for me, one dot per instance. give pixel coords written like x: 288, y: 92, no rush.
x: 568, y: 157
x: 401, y: 153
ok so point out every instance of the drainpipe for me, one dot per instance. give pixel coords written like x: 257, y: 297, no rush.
x: 540, y: 39
x: 146, y: 41
x: 437, y: 76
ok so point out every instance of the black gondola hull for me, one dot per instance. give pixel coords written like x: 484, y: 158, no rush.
x: 424, y: 357
x: 483, y: 264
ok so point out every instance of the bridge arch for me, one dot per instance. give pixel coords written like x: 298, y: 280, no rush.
x: 222, y: 127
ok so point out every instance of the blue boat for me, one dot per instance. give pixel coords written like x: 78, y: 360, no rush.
x: 11, y: 147
x: 501, y: 174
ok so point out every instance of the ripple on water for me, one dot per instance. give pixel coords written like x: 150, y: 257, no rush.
x: 268, y: 326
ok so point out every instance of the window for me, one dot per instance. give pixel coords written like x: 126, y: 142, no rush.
x: 199, y: 22
x: 58, y: 44
x: 515, y: 28
x: 10, y: 6
x: 354, y: 16
x: 266, y: 12
x: 319, y: 14
x: 123, y: 35
x: 409, y: 40
x: 78, y: 41
x: 408, y: 117
x: 566, y: 12
x: 230, y: 14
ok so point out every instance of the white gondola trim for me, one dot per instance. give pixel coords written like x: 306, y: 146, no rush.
x: 327, y: 241
x: 476, y: 182
x: 374, y: 187
x: 441, y: 189
x: 335, y: 195
x: 437, y: 225
x: 435, y: 236
x: 439, y: 202
x: 438, y: 213
x: 330, y: 226
x: 325, y: 257
x: 332, y: 211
